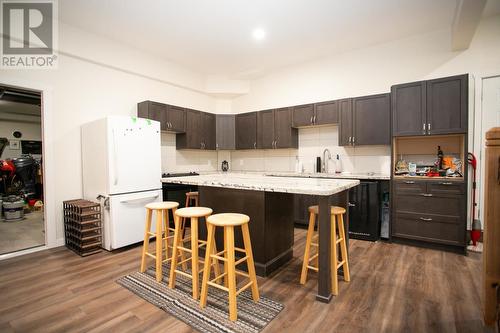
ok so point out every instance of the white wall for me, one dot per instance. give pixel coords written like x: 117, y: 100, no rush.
x: 98, y: 78
x: 374, y: 69
x: 185, y: 160
x: 30, y: 131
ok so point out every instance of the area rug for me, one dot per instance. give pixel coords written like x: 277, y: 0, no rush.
x: 252, y: 317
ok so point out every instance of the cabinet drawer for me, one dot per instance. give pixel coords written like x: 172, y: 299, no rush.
x: 428, y: 228
x: 446, y: 187
x: 429, y: 204
x: 410, y: 186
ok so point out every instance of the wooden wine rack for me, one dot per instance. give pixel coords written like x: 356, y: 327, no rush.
x: 82, y: 226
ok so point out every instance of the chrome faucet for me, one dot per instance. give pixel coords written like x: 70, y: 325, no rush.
x: 325, y: 161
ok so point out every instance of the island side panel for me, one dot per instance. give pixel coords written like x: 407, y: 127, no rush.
x: 324, y: 262
x: 271, y: 223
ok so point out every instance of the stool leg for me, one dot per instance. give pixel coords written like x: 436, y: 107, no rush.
x: 207, y: 266
x: 145, y: 246
x: 194, y: 257
x: 166, y: 224
x: 233, y: 312
x: 343, y: 250
x: 225, y: 262
x: 334, y: 256
x: 250, y: 263
x: 173, y: 263
x: 159, y: 241
x: 307, y: 250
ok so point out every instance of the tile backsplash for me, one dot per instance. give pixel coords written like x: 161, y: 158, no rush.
x: 312, y: 142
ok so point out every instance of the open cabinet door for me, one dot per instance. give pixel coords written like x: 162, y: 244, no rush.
x: 491, y: 260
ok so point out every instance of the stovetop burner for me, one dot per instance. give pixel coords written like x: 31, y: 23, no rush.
x: 179, y: 174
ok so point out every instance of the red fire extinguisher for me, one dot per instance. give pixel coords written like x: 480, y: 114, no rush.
x: 475, y: 232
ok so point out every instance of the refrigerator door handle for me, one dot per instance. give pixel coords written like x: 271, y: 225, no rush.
x: 139, y: 199
x: 115, y: 164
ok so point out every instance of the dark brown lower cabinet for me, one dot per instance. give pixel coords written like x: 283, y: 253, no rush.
x: 430, y: 212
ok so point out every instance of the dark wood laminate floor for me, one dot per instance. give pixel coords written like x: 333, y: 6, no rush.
x: 394, y: 288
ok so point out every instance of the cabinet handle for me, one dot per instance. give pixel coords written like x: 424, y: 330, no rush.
x: 311, y: 121
x: 314, y: 119
x: 255, y: 145
x: 423, y: 128
x: 350, y: 139
x: 445, y: 183
x: 351, y: 204
x: 426, y: 194
x: 216, y: 146
x: 429, y: 128
x: 427, y: 219
x: 409, y: 182
x: 353, y: 140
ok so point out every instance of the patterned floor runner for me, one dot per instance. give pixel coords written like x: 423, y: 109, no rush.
x: 252, y: 317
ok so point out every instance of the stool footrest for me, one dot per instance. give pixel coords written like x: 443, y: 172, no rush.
x: 239, y: 249
x: 340, y: 264
x: 216, y: 285
x: 184, y: 249
x: 313, y: 257
x: 339, y: 240
x: 183, y: 261
x: 245, y: 287
x: 241, y: 260
x: 314, y: 244
x: 218, y: 257
x: 151, y: 255
x: 184, y: 273
x: 313, y: 268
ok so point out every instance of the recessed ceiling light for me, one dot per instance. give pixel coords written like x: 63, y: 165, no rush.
x: 259, y: 34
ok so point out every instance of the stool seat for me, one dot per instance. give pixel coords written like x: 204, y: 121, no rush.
x: 193, y: 212
x: 335, y: 210
x: 192, y: 194
x: 228, y: 219
x: 162, y: 205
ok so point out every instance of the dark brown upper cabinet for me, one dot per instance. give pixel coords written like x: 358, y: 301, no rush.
x: 200, y: 131
x: 447, y: 105
x: 265, y: 129
x: 372, y: 120
x: 409, y: 109
x: 430, y: 107
x: 346, y: 122
x: 208, y: 128
x: 172, y: 118
x: 324, y: 113
x: 274, y: 129
x: 365, y: 120
x: 225, y: 132
x: 246, y: 130
x: 303, y: 115
x: 285, y: 135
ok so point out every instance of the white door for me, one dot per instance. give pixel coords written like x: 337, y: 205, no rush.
x: 134, y: 154
x: 127, y: 217
x: 490, y: 117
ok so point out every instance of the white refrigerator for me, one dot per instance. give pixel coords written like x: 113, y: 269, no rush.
x: 121, y: 166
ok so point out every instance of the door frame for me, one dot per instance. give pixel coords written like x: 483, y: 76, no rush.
x: 49, y: 208
x: 479, y: 144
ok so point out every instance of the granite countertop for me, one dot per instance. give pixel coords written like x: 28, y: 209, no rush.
x: 267, y: 183
x: 371, y: 175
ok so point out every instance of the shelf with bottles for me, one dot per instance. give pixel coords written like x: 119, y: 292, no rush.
x: 429, y: 157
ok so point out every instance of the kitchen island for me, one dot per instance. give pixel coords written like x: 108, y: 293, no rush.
x: 269, y: 202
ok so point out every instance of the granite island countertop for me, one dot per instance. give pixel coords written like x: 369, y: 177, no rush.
x: 268, y: 183
x: 347, y: 175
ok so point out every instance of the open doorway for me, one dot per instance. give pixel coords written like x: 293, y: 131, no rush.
x: 21, y: 187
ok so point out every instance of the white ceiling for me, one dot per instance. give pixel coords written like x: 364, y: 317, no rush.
x: 215, y: 37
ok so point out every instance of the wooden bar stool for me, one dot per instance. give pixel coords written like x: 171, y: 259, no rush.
x: 194, y: 213
x: 192, y: 197
x: 228, y: 221
x: 337, y: 214
x: 162, y: 234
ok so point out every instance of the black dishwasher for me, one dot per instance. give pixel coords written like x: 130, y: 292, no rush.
x: 364, y: 211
